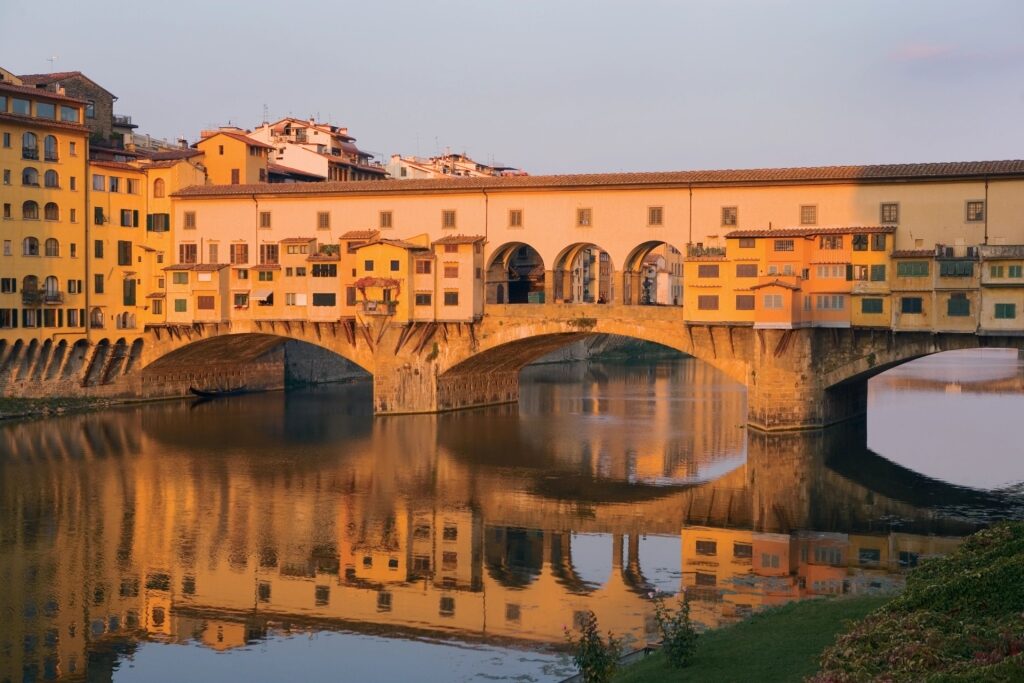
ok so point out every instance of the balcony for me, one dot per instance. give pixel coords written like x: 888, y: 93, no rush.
x: 34, y: 298
x: 123, y: 120
x: 699, y: 250
x: 30, y: 153
x: 379, y: 307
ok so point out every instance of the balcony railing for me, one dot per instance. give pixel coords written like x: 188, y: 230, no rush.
x: 122, y: 120
x: 31, y: 297
x: 53, y: 298
x: 29, y: 153
x: 379, y: 307
x: 693, y: 250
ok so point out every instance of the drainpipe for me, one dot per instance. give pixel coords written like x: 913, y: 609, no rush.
x: 689, y: 238
x: 87, y: 185
x: 986, y: 210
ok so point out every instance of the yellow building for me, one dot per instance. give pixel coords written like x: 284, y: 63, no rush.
x: 43, y: 262
x: 232, y: 157
x: 1002, y: 288
x: 384, y: 281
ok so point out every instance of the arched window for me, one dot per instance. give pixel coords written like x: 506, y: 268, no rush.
x: 51, y: 212
x: 30, y: 284
x: 30, y: 211
x: 158, y: 187
x: 30, y: 247
x: 50, y: 148
x: 52, y: 247
x: 30, y: 176
x: 29, y: 146
x: 96, y: 318
x: 51, y: 286
x: 51, y: 179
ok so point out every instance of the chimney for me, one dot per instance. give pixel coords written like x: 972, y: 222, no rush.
x: 182, y: 143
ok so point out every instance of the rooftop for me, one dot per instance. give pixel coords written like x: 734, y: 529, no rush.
x: 812, y: 232
x: 964, y: 170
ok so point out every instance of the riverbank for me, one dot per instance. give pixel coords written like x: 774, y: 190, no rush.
x: 778, y: 645
x: 22, y: 408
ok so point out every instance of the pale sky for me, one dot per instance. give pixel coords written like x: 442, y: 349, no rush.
x: 562, y: 86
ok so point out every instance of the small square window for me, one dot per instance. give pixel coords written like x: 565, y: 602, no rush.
x: 730, y: 217
x: 515, y: 218
x: 655, y: 215
x: 385, y: 219
x: 975, y: 211
x: 448, y: 218
x: 808, y: 214
x: 584, y: 218
x: 323, y: 220
x: 890, y: 213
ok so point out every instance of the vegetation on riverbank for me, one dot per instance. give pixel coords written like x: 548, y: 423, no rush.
x: 11, y: 408
x: 961, y: 618
x: 782, y: 644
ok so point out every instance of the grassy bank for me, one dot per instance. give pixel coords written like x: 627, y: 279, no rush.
x: 779, y: 645
x: 11, y: 408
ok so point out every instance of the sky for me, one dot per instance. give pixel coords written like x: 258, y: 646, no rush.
x: 562, y: 86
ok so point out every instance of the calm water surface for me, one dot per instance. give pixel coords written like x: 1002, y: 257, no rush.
x: 283, y: 536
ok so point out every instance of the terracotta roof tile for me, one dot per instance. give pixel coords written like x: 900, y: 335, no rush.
x: 757, y: 176
x: 170, y: 154
x: 104, y: 163
x: 459, y: 239
x: 288, y: 170
x: 812, y: 232
x: 266, y: 266
x: 209, y: 267
x: 395, y: 243
x: 780, y: 283
x: 324, y: 257
x: 241, y: 138
x: 43, y: 123
x: 38, y: 92
x: 297, y: 240
x: 180, y: 266
x: 360, y: 234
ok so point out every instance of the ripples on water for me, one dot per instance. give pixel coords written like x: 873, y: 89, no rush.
x: 266, y: 536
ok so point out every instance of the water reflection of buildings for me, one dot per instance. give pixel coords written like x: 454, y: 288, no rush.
x: 123, y: 526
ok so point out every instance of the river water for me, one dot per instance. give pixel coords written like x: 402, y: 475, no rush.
x: 280, y: 536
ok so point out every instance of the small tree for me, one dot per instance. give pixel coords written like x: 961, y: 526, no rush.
x: 596, y: 658
x: 678, y: 637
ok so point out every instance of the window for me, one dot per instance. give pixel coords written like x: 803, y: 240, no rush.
x: 179, y: 277
x: 707, y: 270
x: 298, y: 248
x: 30, y: 176
x: 213, y: 251
x: 956, y: 269
x: 515, y: 218
x: 783, y: 245
x: 235, y: 175
x: 773, y: 302
x: 422, y: 299
x: 242, y: 273
x: 746, y: 270
x: 707, y: 302
x: 45, y: 110
x: 655, y: 214
x: 7, y: 176
x: 265, y: 276
x: 831, y: 242
x: 51, y: 212
x: 705, y: 579
x: 30, y: 247
x: 115, y: 184
x: 350, y: 296
x: 385, y: 219
x: 188, y: 253
x: 1006, y: 311
x: 50, y: 148
x: 451, y: 298
x: 69, y: 114
x: 7, y: 210
x: 50, y: 179
x: 1014, y: 271
x: 159, y: 188
x: 912, y: 269
x: 190, y: 220
x: 325, y: 299
x: 158, y: 222
x: 239, y: 253
x: 268, y: 254
x: 958, y: 305
x: 97, y: 249
x: 448, y: 218
x: 21, y: 106
x: 871, y: 306
x: 323, y: 220
x: 264, y: 219
x: 30, y: 211
x: 808, y: 214
x: 73, y: 150
x: 7, y: 140
x: 584, y: 217
x: 911, y: 304
x: 878, y: 242
x: 730, y: 216
x: 423, y: 267
x: 395, y: 266
x: 97, y: 283
x: 860, y: 242
x: 99, y: 182
x: 742, y: 551
x: 128, y: 291
x: 975, y: 211
x: 204, y: 303
x: 368, y: 265
x: 451, y: 248
x: 744, y: 302
x: 878, y: 273
x: 889, y: 213
x: 747, y: 243
x: 29, y: 145
x: 830, y: 302
x: 451, y: 270
x: 124, y: 253
x: 325, y: 270
x: 447, y: 606
x: 241, y: 300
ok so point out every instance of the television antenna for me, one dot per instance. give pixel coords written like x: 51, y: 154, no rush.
x: 51, y: 59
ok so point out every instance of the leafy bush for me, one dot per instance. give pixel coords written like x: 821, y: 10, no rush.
x: 596, y: 658
x: 678, y: 637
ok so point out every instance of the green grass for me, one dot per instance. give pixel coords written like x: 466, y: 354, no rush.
x: 778, y: 645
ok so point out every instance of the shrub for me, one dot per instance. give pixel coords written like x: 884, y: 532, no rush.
x: 678, y: 637
x: 596, y: 658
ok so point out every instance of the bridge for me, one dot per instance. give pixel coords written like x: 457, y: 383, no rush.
x: 795, y: 379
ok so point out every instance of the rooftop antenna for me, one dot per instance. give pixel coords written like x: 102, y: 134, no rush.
x: 51, y: 59
x: 266, y: 114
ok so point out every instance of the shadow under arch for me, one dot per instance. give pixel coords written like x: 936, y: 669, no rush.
x: 514, y: 557
x: 583, y: 273
x: 515, y: 275
x: 653, y: 274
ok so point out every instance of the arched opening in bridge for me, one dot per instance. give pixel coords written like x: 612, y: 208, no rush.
x: 254, y: 361
x: 653, y: 275
x: 515, y: 275
x: 582, y: 273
